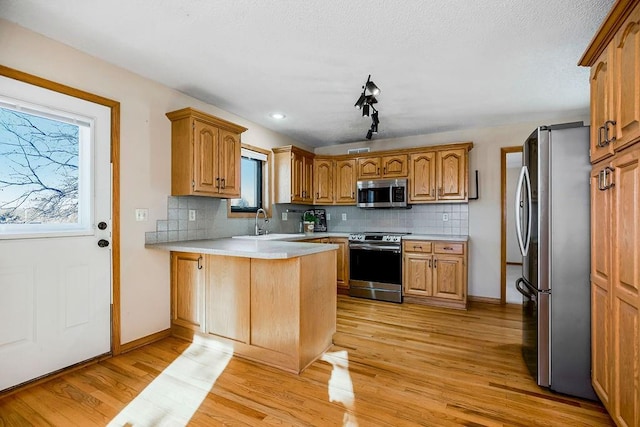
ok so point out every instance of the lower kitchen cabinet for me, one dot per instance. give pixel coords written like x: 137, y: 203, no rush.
x: 342, y: 261
x: 435, y: 273
x: 187, y: 290
x: 280, y: 312
x: 231, y: 304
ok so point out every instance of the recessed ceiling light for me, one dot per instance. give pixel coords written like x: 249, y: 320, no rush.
x: 277, y: 116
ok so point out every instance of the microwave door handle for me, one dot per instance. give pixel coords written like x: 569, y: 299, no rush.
x: 518, y: 210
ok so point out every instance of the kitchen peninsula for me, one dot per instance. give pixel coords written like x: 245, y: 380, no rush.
x: 273, y: 302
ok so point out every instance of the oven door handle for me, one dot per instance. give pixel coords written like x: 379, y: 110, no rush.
x: 380, y: 248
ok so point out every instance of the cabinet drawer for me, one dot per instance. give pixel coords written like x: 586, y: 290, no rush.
x: 449, y: 248
x: 417, y: 246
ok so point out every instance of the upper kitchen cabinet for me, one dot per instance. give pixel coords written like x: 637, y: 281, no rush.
x: 205, y: 155
x: 334, y: 181
x: 626, y: 78
x: 439, y: 175
x: 293, y: 180
x: 614, y: 58
x: 602, y: 123
x: 323, y: 189
x: 391, y: 166
x: 345, y: 179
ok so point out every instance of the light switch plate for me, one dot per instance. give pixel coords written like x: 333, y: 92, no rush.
x: 192, y: 214
x: 344, y: 216
x: 328, y: 217
x: 445, y: 217
x: 142, y: 214
x: 284, y: 216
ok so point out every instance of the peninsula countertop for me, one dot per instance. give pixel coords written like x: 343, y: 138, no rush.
x: 246, y: 248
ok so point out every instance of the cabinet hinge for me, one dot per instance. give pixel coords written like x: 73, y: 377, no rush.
x: 193, y: 184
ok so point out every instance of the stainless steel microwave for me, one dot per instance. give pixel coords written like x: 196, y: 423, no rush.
x: 382, y: 193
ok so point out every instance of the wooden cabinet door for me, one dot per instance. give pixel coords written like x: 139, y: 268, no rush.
x: 345, y: 176
x: 229, y: 164
x: 452, y: 174
x: 626, y: 288
x: 417, y: 274
x: 187, y: 289
x: 369, y: 168
x: 394, y: 166
x: 297, y: 177
x: 448, y: 278
x: 601, y: 220
x: 342, y: 260
x: 205, y: 158
x: 228, y: 297
x: 323, y: 181
x: 626, y: 81
x: 307, y: 179
x: 422, y: 177
x: 601, y: 106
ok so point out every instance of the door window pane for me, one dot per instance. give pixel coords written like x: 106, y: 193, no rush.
x: 43, y: 182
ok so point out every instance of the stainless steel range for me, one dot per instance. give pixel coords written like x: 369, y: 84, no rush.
x: 376, y: 266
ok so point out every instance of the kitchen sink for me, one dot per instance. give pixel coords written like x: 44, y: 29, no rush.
x: 273, y: 236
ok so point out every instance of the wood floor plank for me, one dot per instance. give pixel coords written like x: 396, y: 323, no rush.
x: 390, y: 365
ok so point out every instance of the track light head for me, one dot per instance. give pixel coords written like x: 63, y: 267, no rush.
x: 360, y: 102
x: 370, y: 99
x: 365, y: 110
x: 369, y: 134
x: 374, y: 128
x: 374, y: 118
x: 372, y: 88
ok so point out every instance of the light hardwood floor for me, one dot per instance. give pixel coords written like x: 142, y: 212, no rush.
x: 392, y: 365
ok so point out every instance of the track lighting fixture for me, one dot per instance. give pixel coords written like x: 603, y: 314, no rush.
x: 369, y: 134
x: 365, y: 103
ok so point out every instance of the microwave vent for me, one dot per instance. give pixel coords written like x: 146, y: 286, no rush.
x: 358, y: 150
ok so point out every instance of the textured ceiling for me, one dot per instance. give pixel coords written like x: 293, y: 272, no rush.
x: 440, y: 64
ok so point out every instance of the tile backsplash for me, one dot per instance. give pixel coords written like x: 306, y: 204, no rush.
x: 211, y: 220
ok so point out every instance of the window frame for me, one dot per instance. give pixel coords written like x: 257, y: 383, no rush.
x: 266, y: 185
x: 86, y: 151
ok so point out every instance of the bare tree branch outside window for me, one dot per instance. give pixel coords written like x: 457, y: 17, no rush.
x: 38, y: 169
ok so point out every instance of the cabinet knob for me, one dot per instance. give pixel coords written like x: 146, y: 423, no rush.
x: 448, y: 248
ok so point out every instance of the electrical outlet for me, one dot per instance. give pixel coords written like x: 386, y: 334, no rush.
x: 344, y: 216
x: 284, y: 216
x: 142, y: 214
x: 328, y: 217
x: 445, y: 217
x: 192, y: 214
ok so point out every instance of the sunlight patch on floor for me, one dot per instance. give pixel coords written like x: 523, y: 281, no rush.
x: 177, y: 393
x: 340, y: 385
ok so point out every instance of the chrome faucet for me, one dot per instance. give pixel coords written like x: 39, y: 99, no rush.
x: 260, y: 231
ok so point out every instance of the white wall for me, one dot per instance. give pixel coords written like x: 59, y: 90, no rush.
x: 484, y: 214
x: 145, y: 159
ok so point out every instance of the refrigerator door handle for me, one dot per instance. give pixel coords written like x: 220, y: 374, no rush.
x: 524, y: 290
x: 523, y: 244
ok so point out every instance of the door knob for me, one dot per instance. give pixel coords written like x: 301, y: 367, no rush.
x: 103, y: 243
x: 102, y: 225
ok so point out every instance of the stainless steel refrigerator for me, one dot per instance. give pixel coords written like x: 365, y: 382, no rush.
x: 552, y: 228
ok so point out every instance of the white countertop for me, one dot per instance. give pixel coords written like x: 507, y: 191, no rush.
x: 247, y: 248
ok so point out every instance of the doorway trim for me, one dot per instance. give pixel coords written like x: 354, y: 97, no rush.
x: 114, y: 106
x: 503, y: 223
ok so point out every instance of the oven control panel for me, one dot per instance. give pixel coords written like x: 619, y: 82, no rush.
x: 364, y: 237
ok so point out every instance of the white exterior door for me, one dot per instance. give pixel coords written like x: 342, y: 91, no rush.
x: 55, y: 206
